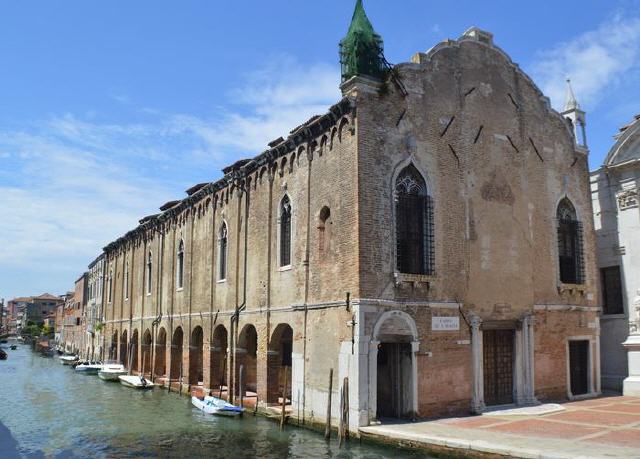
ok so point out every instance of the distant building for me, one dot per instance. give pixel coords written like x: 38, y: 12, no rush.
x: 614, y: 188
x: 93, y: 313
x: 32, y: 309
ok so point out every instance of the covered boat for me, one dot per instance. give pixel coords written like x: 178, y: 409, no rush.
x: 111, y: 371
x: 136, y: 382
x: 217, y: 406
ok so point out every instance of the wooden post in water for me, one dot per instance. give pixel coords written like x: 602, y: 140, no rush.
x: 284, y: 399
x: 343, y: 429
x: 240, y: 388
x: 327, y: 430
x: 346, y: 408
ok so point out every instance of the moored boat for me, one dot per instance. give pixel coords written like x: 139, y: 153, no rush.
x: 89, y: 368
x: 13, y: 347
x: 68, y: 359
x: 3, y: 355
x: 217, y: 406
x: 136, y: 382
x: 111, y: 372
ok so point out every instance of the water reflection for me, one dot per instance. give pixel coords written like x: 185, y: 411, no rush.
x: 53, y: 412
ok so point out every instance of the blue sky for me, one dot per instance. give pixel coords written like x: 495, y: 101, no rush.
x: 109, y: 109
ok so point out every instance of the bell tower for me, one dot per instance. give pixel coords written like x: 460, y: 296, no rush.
x: 577, y: 117
x: 361, y: 51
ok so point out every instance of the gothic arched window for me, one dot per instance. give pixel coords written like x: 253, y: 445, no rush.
x: 569, y: 244
x: 149, y: 266
x: 285, y: 231
x: 180, y: 266
x: 222, y: 252
x: 414, y: 224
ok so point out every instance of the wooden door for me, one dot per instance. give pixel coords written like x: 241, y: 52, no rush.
x: 579, y: 366
x: 498, y: 366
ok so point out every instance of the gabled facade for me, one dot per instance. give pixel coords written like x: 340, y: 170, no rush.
x: 429, y: 238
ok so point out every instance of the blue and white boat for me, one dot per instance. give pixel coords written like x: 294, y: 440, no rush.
x: 217, y: 406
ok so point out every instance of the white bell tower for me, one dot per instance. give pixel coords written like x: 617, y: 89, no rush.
x: 577, y: 117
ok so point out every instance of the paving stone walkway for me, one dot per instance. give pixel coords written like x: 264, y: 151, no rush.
x: 606, y: 427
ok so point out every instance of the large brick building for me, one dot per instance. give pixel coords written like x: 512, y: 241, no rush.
x: 429, y: 237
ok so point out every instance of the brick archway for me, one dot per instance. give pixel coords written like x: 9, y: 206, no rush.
x: 195, y: 356
x: 176, y: 355
x: 246, y: 357
x: 160, y: 365
x: 279, y: 360
x: 218, y: 358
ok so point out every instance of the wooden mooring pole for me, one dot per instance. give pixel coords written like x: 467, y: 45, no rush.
x: 284, y: 400
x: 240, y: 388
x: 343, y: 428
x: 327, y: 430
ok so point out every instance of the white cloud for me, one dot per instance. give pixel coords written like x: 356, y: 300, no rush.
x: 596, y: 61
x: 70, y: 184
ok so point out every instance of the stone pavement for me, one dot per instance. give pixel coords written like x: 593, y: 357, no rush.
x: 606, y: 427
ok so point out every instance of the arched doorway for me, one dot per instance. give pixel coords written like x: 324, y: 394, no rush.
x: 218, y: 358
x: 246, y: 357
x: 195, y: 356
x: 394, y: 382
x: 176, y: 355
x: 134, y: 351
x: 124, y: 349
x: 279, y: 360
x: 145, y: 366
x: 160, y: 368
x: 113, y: 349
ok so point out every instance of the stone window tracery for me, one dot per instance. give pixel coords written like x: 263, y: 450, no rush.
x: 414, y: 224
x: 570, y: 244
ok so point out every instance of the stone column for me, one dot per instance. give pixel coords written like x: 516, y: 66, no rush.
x: 477, y: 403
x: 529, y: 397
x: 631, y: 385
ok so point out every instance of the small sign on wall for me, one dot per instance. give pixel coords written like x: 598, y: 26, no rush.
x: 445, y: 323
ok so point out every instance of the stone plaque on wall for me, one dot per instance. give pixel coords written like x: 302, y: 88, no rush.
x: 445, y: 323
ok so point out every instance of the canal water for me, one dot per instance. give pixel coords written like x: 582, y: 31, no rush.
x: 46, y: 410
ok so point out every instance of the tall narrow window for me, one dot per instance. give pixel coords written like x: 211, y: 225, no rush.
x: 110, y: 286
x: 285, y: 231
x: 414, y: 224
x: 611, y: 290
x: 222, y: 252
x: 180, y: 268
x: 569, y: 244
x: 149, y: 266
x: 126, y: 281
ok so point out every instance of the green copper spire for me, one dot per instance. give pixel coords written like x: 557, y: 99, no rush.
x: 361, y: 50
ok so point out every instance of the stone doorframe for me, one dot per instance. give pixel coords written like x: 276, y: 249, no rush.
x: 524, y: 377
x: 591, y: 380
x: 373, y: 360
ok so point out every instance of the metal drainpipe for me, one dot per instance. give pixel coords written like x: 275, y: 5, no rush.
x: 306, y: 286
x: 236, y: 317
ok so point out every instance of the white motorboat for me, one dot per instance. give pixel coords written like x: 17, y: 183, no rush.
x: 217, y: 406
x: 111, y: 372
x: 89, y: 368
x: 68, y: 359
x: 136, y: 382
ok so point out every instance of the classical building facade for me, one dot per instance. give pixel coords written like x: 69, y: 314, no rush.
x: 93, y: 311
x: 614, y: 189
x: 429, y: 238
